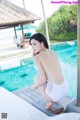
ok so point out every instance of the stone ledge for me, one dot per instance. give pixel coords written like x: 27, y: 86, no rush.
x: 72, y: 107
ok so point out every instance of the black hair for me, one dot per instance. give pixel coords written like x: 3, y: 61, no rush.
x: 40, y: 38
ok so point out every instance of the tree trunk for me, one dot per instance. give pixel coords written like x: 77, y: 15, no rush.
x: 23, y: 1
x: 45, y: 21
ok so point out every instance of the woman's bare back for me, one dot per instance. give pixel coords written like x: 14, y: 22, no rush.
x: 51, y: 66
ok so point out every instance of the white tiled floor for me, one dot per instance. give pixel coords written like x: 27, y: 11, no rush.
x: 66, y: 116
x: 18, y: 109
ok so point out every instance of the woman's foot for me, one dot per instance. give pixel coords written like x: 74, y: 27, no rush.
x: 49, y: 105
x: 57, y: 111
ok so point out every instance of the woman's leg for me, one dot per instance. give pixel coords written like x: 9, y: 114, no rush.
x: 42, y: 90
x: 46, y: 97
x: 50, y: 102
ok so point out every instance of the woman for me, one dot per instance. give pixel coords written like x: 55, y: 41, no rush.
x: 50, y: 80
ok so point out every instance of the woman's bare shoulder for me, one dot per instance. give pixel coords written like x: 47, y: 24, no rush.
x: 52, y: 52
x: 36, y: 58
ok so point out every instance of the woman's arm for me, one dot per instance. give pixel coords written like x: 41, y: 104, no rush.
x: 41, y: 72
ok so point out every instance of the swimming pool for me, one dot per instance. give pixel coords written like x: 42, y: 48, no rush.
x: 19, y: 77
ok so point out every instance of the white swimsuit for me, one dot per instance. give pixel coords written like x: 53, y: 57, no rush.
x: 57, y: 92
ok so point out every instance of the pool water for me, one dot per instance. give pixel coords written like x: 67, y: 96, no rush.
x: 16, y: 78
x: 67, y: 52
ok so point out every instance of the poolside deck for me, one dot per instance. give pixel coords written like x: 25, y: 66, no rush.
x: 10, y: 55
x: 36, y: 99
x: 12, y: 51
x: 13, y: 107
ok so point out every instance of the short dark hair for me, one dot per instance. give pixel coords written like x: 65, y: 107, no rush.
x: 40, y: 38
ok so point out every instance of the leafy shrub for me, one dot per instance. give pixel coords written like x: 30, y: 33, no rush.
x: 65, y: 36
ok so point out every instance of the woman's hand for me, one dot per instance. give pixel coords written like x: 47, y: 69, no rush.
x: 33, y: 87
x: 33, y: 53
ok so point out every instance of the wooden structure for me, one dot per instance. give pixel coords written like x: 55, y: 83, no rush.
x: 13, y: 16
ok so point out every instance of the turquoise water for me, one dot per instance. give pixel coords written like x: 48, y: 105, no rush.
x: 16, y: 78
